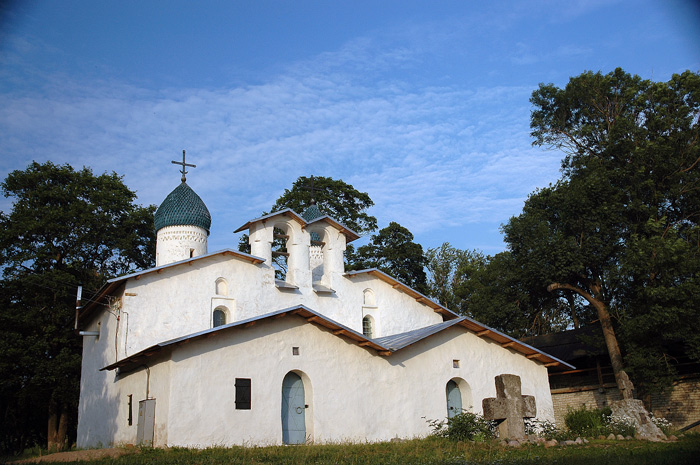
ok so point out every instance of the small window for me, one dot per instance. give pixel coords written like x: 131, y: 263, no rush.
x: 242, y: 393
x: 191, y: 253
x: 367, y: 329
x: 219, y: 317
x: 455, y: 363
x: 295, y: 351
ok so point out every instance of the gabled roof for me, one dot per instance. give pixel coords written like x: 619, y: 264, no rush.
x: 382, y: 346
x: 396, y: 284
x: 111, y: 285
x: 286, y: 212
x: 349, y: 233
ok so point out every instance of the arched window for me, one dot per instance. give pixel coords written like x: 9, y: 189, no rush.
x: 368, y: 327
x: 221, y: 287
x: 280, y: 255
x: 219, y: 317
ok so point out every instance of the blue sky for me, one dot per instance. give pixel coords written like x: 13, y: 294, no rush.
x: 424, y: 105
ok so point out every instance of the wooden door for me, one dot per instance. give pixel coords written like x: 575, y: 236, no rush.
x: 293, y: 410
x: 454, y: 399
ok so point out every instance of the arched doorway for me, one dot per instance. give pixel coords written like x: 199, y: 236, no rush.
x: 293, y: 410
x: 454, y: 399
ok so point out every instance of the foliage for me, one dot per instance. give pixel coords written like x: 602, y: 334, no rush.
x: 65, y: 228
x: 544, y: 428
x: 335, y: 198
x: 620, y: 229
x: 663, y: 424
x: 464, y: 426
x: 449, y: 271
x: 595, y: 422
x: 393, y: 251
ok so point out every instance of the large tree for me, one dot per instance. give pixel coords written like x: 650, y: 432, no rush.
x: 393, y: 251
x: 495, y: 291
x: 66, y: 228
x: 620, y: 229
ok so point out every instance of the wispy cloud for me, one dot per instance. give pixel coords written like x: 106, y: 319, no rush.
x: 430, y: 157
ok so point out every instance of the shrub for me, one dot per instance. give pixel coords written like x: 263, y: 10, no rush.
x: 595, y: 422
x: 464, y: 426
x: 663, y: 424
x: 544, y: 428
x: 587, y: 422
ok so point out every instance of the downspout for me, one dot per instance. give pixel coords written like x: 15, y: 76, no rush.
x: 148, y: 381
x: 77, y: 306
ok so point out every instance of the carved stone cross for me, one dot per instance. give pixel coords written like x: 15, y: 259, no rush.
x: 509, y: 407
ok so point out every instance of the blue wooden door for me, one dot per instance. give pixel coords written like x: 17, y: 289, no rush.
x: 454, y: 399
x: 293, y: 410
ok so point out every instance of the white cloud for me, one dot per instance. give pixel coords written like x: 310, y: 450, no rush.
x: 430, y: 157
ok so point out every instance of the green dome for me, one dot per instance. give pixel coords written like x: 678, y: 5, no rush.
x: 182, y: 207
x: 311, y: 213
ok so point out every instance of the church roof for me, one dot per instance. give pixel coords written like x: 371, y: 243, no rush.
x: 110, y: 286
x: 349, y: 233
x: 396, y: 284
x: 382, y: 346
x: 183, y: 207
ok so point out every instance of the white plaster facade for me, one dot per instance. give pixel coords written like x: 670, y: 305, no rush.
x: 157, y: 341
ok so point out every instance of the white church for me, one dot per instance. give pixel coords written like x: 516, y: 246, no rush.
x: 209, y: 348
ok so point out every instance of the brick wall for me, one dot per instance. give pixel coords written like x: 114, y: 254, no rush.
x: 681, y: 406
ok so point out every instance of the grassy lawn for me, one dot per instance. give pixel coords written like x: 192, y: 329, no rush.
x: 427, y: 451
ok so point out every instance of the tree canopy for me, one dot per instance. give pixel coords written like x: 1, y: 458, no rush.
x: 66, y: 228
x: 620, y: 229
x: 335, y: 198
x: 393, y: 251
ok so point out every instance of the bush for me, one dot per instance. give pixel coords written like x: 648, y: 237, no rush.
x: 596, y: 422
x: 664, y: 425
x: 587, y: 422
x: 464, y: 426
x: 545, y: 429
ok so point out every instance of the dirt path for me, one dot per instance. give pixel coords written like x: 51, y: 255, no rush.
x: 76, y: 455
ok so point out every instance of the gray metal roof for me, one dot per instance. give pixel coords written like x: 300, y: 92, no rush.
x: 399, y: 341
x: 383, y: 346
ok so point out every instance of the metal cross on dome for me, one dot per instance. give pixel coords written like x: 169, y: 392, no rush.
x: 312, y: 189
x: 183, y: 166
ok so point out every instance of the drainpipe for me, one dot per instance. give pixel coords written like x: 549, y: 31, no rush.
x: 77, y: 306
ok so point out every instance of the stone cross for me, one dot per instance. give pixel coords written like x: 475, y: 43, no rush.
x: 509, y: 407
x: 183, y: 179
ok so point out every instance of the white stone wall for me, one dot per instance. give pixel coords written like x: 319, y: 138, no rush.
x: 103, y: 410
x: 356, y: 395
x: 353, y: 394
x: 176, y: 243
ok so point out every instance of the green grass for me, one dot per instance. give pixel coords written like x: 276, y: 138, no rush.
x: 427, y: 451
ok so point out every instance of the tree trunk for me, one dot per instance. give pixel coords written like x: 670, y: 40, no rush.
x: 57, y: 427
x: 52, y: 433
x: 623, y: 382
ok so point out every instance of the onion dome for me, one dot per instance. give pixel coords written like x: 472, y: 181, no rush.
x: 311, y: 212
x: 183, y: 207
